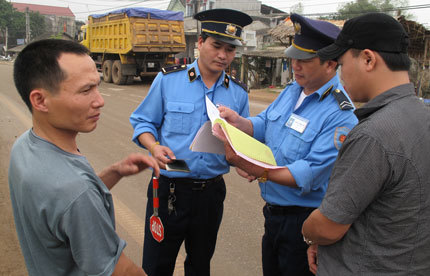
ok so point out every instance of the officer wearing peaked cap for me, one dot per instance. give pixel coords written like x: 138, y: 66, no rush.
x: 166, y: 122
x: 304, y: 127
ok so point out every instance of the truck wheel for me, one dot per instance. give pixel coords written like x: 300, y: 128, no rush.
x: 117, y: 76
x: 107, y: 71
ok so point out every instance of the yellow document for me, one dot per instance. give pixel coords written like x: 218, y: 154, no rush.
x: 243, y: 144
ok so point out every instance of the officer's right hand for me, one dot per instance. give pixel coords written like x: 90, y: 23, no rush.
x: 231, y: 116
x: 163, y: 155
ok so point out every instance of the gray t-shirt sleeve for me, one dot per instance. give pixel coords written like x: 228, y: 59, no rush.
x: 90, y: 231
x: 357, y: 178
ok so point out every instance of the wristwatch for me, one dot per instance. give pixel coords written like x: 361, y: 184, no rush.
x: 307, y: 241
x: 263, y: 177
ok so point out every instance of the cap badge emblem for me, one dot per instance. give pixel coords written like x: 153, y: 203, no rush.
x: 230, y: 29
x: 297, y: 28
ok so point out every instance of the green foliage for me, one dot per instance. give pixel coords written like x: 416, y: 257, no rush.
x: 14, y: 21
x: 57, y: 36
x: 37, y: 24
x: 353, y: 9
x: 297, y: 8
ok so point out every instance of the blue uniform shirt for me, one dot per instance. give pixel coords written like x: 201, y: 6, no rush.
x: 175, y: 109
x: 309, y: 155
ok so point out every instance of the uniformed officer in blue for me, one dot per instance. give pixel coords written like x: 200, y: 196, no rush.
x: 304, y: 127
x: 165, y: 123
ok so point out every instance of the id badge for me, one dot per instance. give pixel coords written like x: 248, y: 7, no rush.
x: 297, y: 123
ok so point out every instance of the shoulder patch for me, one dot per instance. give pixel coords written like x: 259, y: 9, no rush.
x: 226, y: 81
x: 342, y: 100
x: 340, y: 136
x: 241, y: 84
x: 171, y: 69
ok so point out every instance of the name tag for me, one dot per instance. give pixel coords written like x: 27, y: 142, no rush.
x: 297, y: 123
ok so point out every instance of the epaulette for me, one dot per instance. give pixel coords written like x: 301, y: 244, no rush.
x: 241, y: 84
x: 325, y: 93
x: 171, y: 69
x: 192, y: 74
x: 342, y: 100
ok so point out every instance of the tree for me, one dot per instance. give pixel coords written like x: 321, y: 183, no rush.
x: 14, y: 22
x: 297, y: 8
x: 6, y: 11
x: 353, y: 9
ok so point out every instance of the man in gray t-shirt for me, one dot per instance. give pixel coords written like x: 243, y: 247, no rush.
x: 374, y: 218
x: 63, y: 210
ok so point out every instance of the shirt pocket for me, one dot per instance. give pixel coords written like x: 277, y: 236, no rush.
x: 179, y: 117
x: 297, y: 145
x: 273, y: 126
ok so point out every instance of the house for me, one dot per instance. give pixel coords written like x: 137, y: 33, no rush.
x: 255, y: 35
x: 58, y: 19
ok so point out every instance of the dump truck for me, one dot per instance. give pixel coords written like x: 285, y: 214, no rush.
x: 133, y: 42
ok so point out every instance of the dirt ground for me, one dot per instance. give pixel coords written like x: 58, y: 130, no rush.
x: 264, y: 95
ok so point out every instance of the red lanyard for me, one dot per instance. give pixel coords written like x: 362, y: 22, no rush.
x: 156, y: 225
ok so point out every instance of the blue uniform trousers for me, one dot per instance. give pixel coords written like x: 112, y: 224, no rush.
x: 198, y: 212
x: 283, y: 248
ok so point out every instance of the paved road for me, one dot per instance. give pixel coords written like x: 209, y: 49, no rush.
x: 238, y: 248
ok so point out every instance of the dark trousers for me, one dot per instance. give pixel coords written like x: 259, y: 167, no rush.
x: 283, y: 248
x: 199, y: 209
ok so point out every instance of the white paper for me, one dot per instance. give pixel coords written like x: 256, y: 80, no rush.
x: 206, y: 142
x: 213, y: 112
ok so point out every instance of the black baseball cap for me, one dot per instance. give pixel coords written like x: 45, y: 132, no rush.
x: 374, y: 31
x: 224, y: 24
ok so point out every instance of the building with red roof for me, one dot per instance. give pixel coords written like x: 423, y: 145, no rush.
x: 58, y: 19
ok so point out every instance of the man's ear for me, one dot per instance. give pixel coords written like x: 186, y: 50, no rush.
x: 332, y: 64
x: 38, y: 100
x: 368, y: 57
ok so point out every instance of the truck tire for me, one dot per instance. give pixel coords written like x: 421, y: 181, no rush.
x: 107, y: 71
x: 117, y: 76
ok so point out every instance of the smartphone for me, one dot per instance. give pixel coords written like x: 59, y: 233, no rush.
x: 178, y: 165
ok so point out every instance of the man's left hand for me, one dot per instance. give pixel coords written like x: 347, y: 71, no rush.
x: 135, y: 163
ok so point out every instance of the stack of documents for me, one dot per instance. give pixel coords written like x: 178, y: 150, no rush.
x: 244, y: 145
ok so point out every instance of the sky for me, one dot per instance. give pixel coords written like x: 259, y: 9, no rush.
x: 82, y: 8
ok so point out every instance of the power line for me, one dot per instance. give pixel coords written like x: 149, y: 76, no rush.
x: 111, y: 7
x: 424, y: 6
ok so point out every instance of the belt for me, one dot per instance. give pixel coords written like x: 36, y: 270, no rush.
x: 277, y: 210
x: 195, y: 184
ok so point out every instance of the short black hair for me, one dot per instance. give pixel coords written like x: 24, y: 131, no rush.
x: 324, y: 60
x: 204, y: 36
x: 394, y: 61
x: 37, y: 66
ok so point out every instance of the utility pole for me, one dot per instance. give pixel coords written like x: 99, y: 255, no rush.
x: 7, y: 38
x: 196, y: 10
x: 27, y: 26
